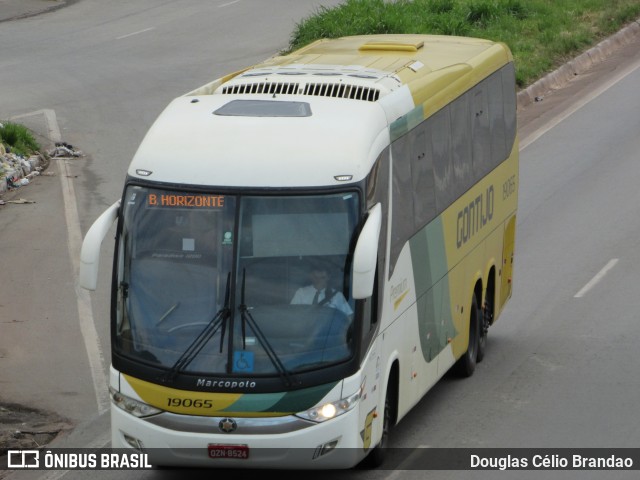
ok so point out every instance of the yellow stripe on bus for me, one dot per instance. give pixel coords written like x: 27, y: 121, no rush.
x: 192, y: 402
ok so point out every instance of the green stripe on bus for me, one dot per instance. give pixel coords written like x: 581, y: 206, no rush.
x: 289, y: 402
x: 429, y: 261
x: 255, y: 402
x: 405, y: 123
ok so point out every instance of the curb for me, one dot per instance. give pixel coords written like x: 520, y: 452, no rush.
x: 563, y: 75
x: 20, y: 9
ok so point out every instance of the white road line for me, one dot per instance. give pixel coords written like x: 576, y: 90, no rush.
x: 101, y: 441
x: 134, y: 33
x: 406, y: 464
x: 600, y: 275
x: 53, y: 131
x: 85, y: 310
x: 228, y: 3
x: 533, y: 136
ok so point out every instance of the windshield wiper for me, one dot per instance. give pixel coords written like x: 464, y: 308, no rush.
x: 228, y: 311
x: 287, y: 378
x: 219, y: 320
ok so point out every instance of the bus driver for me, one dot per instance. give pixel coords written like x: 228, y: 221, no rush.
x: 318, y: 292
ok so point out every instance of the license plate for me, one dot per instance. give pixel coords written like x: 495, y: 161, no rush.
x: 240, y: 452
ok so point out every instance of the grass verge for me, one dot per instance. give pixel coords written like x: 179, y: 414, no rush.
x: 18, y: 138
x: 542, y: 34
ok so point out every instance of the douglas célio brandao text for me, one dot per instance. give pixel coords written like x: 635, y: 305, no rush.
x: 550, y: 462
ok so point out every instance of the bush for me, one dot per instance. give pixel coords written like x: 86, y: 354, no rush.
x: 18, y: 138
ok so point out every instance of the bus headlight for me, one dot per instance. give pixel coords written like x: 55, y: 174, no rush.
x: 331, y: 410
x: 129, y: 405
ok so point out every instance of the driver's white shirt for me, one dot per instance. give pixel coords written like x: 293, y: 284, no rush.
x: 304, y: 296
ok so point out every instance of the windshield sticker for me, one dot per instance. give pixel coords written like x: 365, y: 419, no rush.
x: 242, y: 361
x: 188, y: 244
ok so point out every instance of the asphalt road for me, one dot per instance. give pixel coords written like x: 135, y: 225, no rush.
x: 96, y: 75
x: 561, y: 368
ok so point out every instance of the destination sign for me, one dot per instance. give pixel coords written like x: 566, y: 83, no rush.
x: 185, y: 200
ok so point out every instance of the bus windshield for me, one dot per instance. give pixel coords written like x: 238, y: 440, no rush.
x: 214, y: 284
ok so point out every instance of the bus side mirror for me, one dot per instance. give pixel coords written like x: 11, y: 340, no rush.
x: 365, y: 256
x: 90, y: 253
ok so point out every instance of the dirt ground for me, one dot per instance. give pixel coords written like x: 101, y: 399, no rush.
x: 22, y: 427
x: 26, y: 428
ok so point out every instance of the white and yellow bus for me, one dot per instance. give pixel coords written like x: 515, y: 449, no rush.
x: 392, y: 160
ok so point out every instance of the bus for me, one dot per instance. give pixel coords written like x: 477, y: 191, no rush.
x: 390, y: 163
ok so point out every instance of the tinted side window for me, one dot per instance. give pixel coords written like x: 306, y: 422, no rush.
x: 480, y: 131
x: 461, y: 144
x: 496, y: 119
x: 442, y: 164
x: 509, y: 100
x: 402, y: 202
x: 422, y: 176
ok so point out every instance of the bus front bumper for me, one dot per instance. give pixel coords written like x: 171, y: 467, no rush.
x: 282, y: 442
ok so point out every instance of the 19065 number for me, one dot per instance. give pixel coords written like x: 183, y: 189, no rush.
x: 189, y: 403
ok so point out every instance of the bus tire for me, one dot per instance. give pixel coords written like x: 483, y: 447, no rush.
x: 376, y: 457
x: 466, y: 365
x: 485, y: 322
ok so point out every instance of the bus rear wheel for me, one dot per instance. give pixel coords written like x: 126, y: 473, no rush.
x: 466, y: 365
x: 486, y: 318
